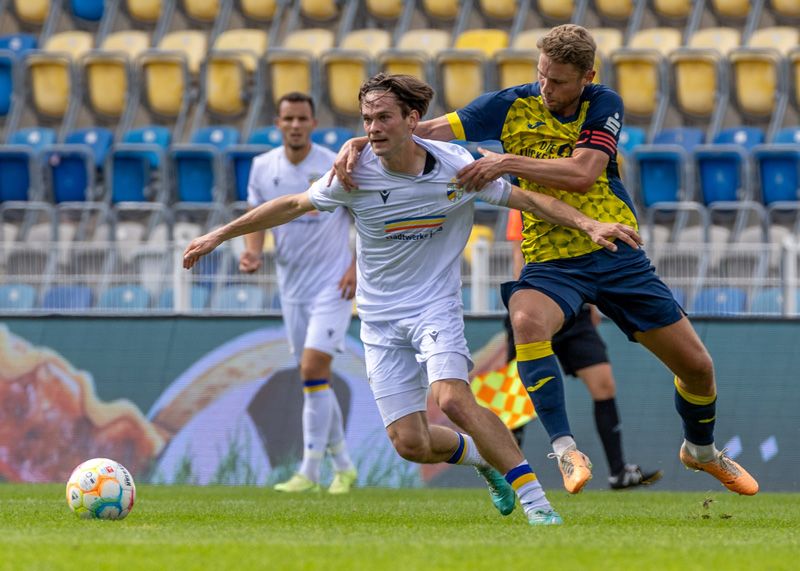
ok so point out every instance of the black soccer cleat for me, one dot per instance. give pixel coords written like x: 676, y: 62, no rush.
x: 631, y: 476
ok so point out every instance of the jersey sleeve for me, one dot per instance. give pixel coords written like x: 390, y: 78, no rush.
x: 483, y: 118
x: 600, y: 129
x: 496, y: 192
x: 514, y: 226
x: 328, y: 198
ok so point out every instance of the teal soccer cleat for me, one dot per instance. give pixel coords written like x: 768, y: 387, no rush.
x: 503, y: 496
x: 544, y: 517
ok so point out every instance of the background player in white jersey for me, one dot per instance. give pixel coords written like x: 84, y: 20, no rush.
x: 413, y: 222
x: 317, y: 279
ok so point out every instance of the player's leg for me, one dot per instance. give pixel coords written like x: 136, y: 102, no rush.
x: 582, y: 354
x: 535, y: 317
x: 681, y: 350
x: 327, y: 328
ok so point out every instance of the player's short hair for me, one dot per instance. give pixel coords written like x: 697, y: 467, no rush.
x: 410, y: 92
x: 296, y: 97
x: 569, y: 43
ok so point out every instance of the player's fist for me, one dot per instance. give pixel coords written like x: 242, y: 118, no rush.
x: 249, y: 262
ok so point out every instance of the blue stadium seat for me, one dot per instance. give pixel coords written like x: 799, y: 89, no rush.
x: 19, y: 163
x: 71, y: 167
x: 778, y: 167
x: 90, y: 10
x: 630, y: 138
x: 660, y: 173
x: 76, y: 297
x: 269, y: 135
x: 198, y: 298
x: 134, y: 161
x: 686, y: 137
x: 767, y: 301
x: 17, y: 297
x: 12, y: 48
x: 787, y: 135
x: 719, y: 301
x: 724, y: 166
x: 198, y: 167
x: 124, y: 298
x: 239, y: 158
x: 747, y: 137
x: 332, y: 137
x: 238, y: 298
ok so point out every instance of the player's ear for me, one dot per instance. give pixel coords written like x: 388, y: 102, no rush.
x: 589, y: 77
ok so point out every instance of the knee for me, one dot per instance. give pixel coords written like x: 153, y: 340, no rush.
x: 457, y: 409
x: 413, y: 448
x: 528, y: 326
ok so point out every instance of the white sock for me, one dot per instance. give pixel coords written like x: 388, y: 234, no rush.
x: 702, y: 453
x: 563, y: 443
x: 337, y: 446
x: 467, y: 453
x: 529, y: 490
x: 317, y: 409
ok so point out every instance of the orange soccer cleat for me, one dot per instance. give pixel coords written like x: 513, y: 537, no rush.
x: 731, y: 474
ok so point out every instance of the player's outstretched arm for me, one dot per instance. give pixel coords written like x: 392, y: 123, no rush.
x: 268, y: 215
x: 557, y: 212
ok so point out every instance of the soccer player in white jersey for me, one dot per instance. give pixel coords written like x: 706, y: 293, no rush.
x: 316, y: 278
x: 412, y: 224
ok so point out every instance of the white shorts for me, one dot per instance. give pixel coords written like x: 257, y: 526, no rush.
x: 320, y: 323
x: 405, y: 356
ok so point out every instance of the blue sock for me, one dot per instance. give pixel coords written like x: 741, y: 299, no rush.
x: 538, y: 368
x: 698, y: 414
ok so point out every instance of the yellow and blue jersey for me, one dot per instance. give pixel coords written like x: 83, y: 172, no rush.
x: 519, y: 119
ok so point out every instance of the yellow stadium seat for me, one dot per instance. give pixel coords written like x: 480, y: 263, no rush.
x: 786, y: 8
x: 618, y: 10
x: 320, y: 10
x: 167, y: 70
x: 441, y: 9
x: 662, y: 40
x: 528, y: 39
x: 385, y: 9
x: 731, y: 9
x: 32, y: 12
x: 517, y: 65
x: 348, y: 67
x: 794, y: 62
x: 263, y: 10
x: 781, y: 38
x: 148, y: 11
x: 499, y: 9
x: 673, y: 9
x: 291, y: 67
x: 696, y: 69
x: 230, y: 67
x: 414, y: 52
x: 204, y: 11
x: 108, y: 71
x: 462, y: 68
x: 51, y: 71
x: 607, y: 40
x: 556, y: 9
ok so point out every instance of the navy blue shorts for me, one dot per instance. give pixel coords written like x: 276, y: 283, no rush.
x: 579, y: 345
x: 622, y: 284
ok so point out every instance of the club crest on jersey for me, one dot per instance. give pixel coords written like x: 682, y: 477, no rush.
x: 454, y: 191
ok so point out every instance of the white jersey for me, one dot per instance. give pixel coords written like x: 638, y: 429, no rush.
x: 313, y: 250
x: 411, y: 229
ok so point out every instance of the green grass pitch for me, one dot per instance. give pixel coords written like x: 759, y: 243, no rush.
x: 213, y: 528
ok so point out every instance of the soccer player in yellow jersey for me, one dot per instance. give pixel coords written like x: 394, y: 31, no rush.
x: 560, y: 135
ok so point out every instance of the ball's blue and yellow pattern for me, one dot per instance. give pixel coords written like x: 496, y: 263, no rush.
x: 101, y: 488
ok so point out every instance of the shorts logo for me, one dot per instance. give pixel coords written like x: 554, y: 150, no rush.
x: 454, y: 191
x: 385, y: 195
x: 540, y: 383
x: 434, y: 335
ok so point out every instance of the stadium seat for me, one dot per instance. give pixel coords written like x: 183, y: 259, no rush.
x: 198, y: 298
x: 347, y: 67
x: 499, y: 10
x: 168, y: 71
x: 293, y: 66
x: 319, y: 10
x: 441, y: 10
x: 778, y: 166
x: 239, y: 158
x: 231, y: 71
x: 463, y: 68
x: 145, y: 12
x: 630, y: 138
x: 517, y: 64
x: 719, y: 301
x: 238, y: 298
x: 786, y: 9
x: 731, y: 10
x: 70, y: 168
x: 673, y: 10
x: 32, y: 13
x: 607, y: 40
x: 135, y: 161
x: 67, y: 298
x: 12, y: 48
x: 260, y: 10
x: 17, y: 297
x: 19, y: 163
x: 614, y: 11
x: 415, y: 52
x: 661, y: 174
x: 332, y: 137
x: 723, y: 168
x: 197, y: 166
x: 269, y: 135
x: 201, y: 11
x: 384, y: 9
x: 556, y: 11
x: 87, y: 10
x: 124, y: 298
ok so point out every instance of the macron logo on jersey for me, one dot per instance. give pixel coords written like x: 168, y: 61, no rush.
x: 613, y: 125
x: 385, y: 195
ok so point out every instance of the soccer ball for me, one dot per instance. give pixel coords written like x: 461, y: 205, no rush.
x: 101, y: 488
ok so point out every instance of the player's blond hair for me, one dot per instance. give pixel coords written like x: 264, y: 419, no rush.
x: 570, y: 44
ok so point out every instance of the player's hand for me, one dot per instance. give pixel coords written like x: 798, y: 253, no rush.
x: 478, y: 174
x: 198, y: 248
x: 347, y: 285
x: 346, y: 161
x: 249, y: 262
x: 603, y: 232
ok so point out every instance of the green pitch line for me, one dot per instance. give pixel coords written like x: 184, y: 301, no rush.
x: 213, y: 528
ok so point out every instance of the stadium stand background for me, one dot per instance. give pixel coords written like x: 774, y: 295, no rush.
x: 128, y: 128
